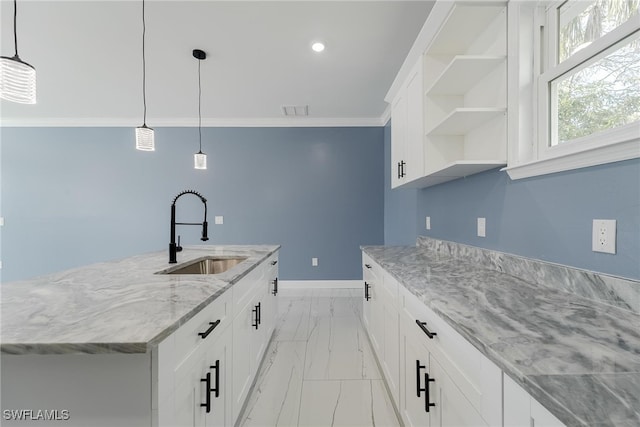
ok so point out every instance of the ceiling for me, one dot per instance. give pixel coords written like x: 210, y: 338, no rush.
x: 88, y: 57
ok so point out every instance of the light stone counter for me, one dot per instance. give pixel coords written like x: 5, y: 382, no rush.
x: 113, y: 307
x: 578, y: 357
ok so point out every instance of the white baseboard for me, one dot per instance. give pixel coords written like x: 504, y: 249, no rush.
x: 319, y: 284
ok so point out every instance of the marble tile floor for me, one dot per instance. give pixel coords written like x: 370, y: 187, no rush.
x: 319, y: 369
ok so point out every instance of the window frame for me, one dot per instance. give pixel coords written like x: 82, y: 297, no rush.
x: 535, y: 155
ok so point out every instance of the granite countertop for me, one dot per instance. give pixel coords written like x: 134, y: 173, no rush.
x: 114, y: 307
x: 577, y: 357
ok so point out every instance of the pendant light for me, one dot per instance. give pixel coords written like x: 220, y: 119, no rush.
x: 17, y: 78
x: 144, y: 134
x: 199, y: 159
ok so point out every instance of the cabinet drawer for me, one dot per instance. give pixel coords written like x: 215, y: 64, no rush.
x: 478, y: 378
x: 244, y: 290
x: 371, y: 266
x: 187, y: 338
x: 272, y: 273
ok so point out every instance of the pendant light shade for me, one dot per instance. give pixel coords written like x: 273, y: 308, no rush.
x: 145, y: 140
x: 17, y: 78
x: 199, y: 159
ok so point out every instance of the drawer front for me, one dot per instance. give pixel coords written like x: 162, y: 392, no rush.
x: 199, y: 329
x: 243, y: 291
x: 368, y: 264
x: 478, y: 378
x: 272, y: 273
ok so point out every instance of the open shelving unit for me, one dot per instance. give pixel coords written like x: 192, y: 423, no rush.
x: 465, y: 101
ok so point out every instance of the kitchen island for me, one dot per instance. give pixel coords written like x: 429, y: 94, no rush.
x: 105, y: 343
x: 578, y: 357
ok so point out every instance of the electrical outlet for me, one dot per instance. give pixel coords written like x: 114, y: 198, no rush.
x: 428, y: 223
x: 218, y: 220
x: 314, y: 262
x: 482, y: 227
x: 1, y: 221
x: 603, y: 236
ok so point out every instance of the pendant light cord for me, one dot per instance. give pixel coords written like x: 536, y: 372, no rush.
x: 15, y: 32
x: 199, y: 106
x: 144, y: 70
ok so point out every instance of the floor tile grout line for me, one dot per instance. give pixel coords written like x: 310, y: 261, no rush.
x: 304, y: 363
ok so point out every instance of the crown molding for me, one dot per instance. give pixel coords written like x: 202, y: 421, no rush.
x: 231, y: 122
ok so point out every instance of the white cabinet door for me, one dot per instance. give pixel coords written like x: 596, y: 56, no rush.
x: 414, y: 150
x: 258, y: 329
x: 452, y: 408
x: 220, y: 393
x: 398, y: 138
x: 415, y: 364
x: 376, y: 330
x: 190, y: 391
x: 521, y: 410
x: 542, y: 417
x: 242, y: 335
x: 391, y: 360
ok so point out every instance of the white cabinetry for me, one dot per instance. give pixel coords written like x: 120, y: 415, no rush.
x: 407, y: 132
x: 462, y: 95
x: 203, y: 387
x: 199, y: 375
x: 372, y: 305
x: 522, y: 410
x: 380, y: 317
x: 465, y: 387
x: 435, y: 376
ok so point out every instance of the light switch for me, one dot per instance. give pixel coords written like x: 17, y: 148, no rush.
x: 428, y: 223
x: 314, y: 262
x: 218, y: 220
x: 1, y: 221
x: 482, y: 227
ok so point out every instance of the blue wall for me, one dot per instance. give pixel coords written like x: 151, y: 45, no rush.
x: 74, y: 196
x: 547, y: 217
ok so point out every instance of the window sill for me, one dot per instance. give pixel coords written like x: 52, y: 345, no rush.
x: 582, y: 159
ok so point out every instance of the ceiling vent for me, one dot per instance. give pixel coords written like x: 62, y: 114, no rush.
x: 295, y: 110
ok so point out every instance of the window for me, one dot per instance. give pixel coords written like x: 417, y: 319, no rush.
x: 585, y: 86
x: 590, y: 88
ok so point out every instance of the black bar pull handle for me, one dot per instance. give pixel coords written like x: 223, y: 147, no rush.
x: 212, y: 326
x: 367, y: 265
x: 423, y: 326
x: 216, y: 389
x: 419, y: 389
x: 399, y: 173
x: 367, y: 295
x: 275, y: 286
x: 402, y: 172
x: 255, y: 322
x: 259, y: 313
x: 427, y: 403
x: 207, y: 403
x: 274, y: 262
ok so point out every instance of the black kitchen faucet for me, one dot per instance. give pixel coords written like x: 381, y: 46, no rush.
x: 173, y: 247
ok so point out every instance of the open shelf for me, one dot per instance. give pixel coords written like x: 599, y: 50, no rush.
x: 455, y: 170
x: 463, y: 26
x: 456, y: 78
x: 462, y: 120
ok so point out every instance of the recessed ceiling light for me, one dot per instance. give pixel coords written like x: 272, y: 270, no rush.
x: 318, y: 46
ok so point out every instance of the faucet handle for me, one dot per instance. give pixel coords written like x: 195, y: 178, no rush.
x: 178, y: 247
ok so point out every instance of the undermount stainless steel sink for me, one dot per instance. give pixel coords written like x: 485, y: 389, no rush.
x: 209, y: 265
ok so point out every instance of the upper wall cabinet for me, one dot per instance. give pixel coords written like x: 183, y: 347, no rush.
x: 462, y: 98
x: 407, y: 130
